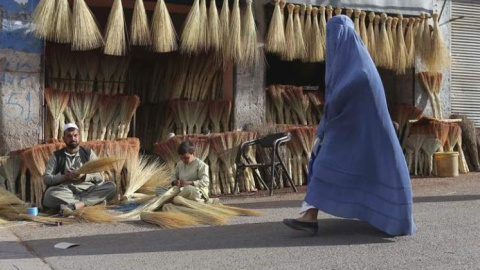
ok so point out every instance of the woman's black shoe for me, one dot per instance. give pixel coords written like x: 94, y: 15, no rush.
x: 310, y: 227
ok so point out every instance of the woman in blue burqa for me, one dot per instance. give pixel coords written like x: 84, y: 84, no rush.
x: 357, y: 169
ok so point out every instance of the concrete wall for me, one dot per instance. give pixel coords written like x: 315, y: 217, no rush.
x: 20, y: 77
x: 421, y: 97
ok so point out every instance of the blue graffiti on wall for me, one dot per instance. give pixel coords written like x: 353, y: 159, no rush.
x: 16, y: 32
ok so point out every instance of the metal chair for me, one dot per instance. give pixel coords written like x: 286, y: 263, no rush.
x: 273, y: 141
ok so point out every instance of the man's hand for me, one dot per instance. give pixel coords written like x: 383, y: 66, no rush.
x: 72, y: 176
x: 181, y: 183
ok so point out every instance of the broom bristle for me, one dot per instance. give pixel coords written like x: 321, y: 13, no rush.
x: 401, y: 49
x: 140, y: 33
x: 426, y: 44
x: 225, y: 28
x: 169, y: 220
x: 214, y: 40
x: 249, y: 38
x: 439, y: 57
x: 42, y: 19
x: 276, y: 42
x: 307, y: 30
x: 152, y: 205
x: 371, y: 37
x: 384, y: 56
x: 329, y: 12
x: 86, y: 35
x: 410, y: 42
x: 298, y: 32
x: 203, y: 34
x: 200, y: 215
x: 239, y: 211
x: 62, y: 22
x: 190, y: 36
x: 357, y: 21
x: 204, y: 209
x: 289, y: 53
x: 363, y: 28
x: 95, y: 214
x: 338, y: 11
x: 316, y: 48
x: 99, y: 165
x: 234, y: 49
x: 115, y: 37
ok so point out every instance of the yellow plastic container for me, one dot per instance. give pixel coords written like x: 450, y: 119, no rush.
x: 446, y: 164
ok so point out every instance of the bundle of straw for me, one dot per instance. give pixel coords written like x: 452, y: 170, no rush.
x: 401, y: 54
x: 323, y: 29
x: 296, y: 99
x: 151, y: 205
x: 371, y: 37
x: 86, y: 35
x: 10, y: 169
x: 316, y: 48
x: 164, y: 37
x: 431, y: 85
x: 127, y: 110
x: 95, y: 214
x: 250, y: 56
x: 384, y: 50
x: 99, y: 165
x: 418, y: 28
x: 62, y: 22
x: 225, y: 29
x: 290, y: 53
x: 115, y: 35
x: 44, y: 26
x: 410, y: 43
x: 430, y: 147
x: 190, y: 39
x: 202, y: 215
x: 391, y: 26
x: 329, y: 12
x: 363, y: 28
x: 139, y: 31
x: 298, y: 31
x: 307, y: 29
x: 140, y: 173
x: 357, y: 21
x: 438, y: 58
x: 338, y: 11
x: 214, y: 35
x: 303, y: 10
x: 168, y: 220
x: 167, y: 150
x: 57, y: 102
x: 275, y: 42
x: 426, y: 43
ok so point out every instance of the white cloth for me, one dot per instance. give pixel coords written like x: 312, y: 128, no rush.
x: 305, y: 207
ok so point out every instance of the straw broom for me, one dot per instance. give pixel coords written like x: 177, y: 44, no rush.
x: 338, y: 11
x: 277, y: 100
x: 469, y: 140
x: 200, y: 214
x: 307, y: 29
x: 298, y: 33
x: 41, y: 18
x: 226, y: 116
x: 206, y: 209
x: 168, y: 220
x: 143, y: 169
x: 94, y: 214
x: 357, y: 21
x: 219, y: 146
x: 10, y: 169
x: 418, y: 28
x: 323, y: 29
x: 410, y: 43
x: 167, y: 150
x: 62, y: 28
x: 225, y: 29
x: 164, y: 37
x: 391, y: 32
x: 190, y: 40
x: 384, y: 56
x: 400, y: 49
x: 101, y: 164
x: 160, y: 178
x: 128, y: 108
x: 430, y: 147
x: 203, y: 34
x: 363, y: 28
x: 297, y: 152
x: 117, y: 149
x: 151, y: 205
x: 316, y: 48
x: 275, y: 41
x: 289, y: 53
x: 371, y: 37
x: 57, y: 102
x: 303, y: 10
x: 213, y: 33
x: 86, y: 35
x: 115, y: 37
x: 139, y: 31
x: 234, y: 45
x: 329, y: 12
x: 426, y: 45
x: 438, y: 59
x: 215, y: 110
x: 295, y: 98
x: 107, y: 111
x: 250, y: 57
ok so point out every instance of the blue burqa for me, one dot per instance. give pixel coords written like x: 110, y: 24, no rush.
x: 359, y: 171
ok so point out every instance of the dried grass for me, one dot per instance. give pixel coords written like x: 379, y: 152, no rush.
x: 164, y: 37
x: 86, y: 35
x: 275, y: 41
x: 139, y: 31
x: 168, y: 220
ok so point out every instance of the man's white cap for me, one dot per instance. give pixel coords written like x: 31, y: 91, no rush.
x: 69, y: 125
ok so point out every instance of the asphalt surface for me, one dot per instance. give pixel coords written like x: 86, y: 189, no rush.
x: 446, y: 212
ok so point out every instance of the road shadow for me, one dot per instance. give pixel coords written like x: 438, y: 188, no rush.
x: 449, y: 198
x: 270, y: 205
x: 333, y: 232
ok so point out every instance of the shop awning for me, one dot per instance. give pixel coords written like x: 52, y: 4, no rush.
x: 406, y: 7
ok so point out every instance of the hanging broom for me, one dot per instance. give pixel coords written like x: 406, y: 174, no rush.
x: 139, y: 31
x: 168, y: 220
x: 164, y: 37
x: 234, y: 47
x: 357, y: 20
x: 338, y: 11
x: 323, y: 30
x: 329, y: 12
x: 410, y: 44
x: 108, y: 109
x: 275, y: 41
x: 62, y: 28
x: 371, y: 37
x: 225, y: 29
x: 298, y: 34
x: 438, y: 59
x: 250, y: 57
x: 215, y: 110
x: 213, y: 33
x: 190, y: 40
x: 115, y: 35
x: 226, y: 116
x: 44, y: 26
x: 307, y: 29
x: 400, y: 49
x: 391, y: 32
x: 363, y: 28
x: 418, y: 28
x: 10, y: 169
x: 86, y: 35
x: 430, y: 147
x: 426, y: 45
x: 203, y: 35
x: 384, y: 56
x: 57, y: 102
x: 303, y: 10
x: 289, y: 54
x: 316, y: 48
x: 140, y: 173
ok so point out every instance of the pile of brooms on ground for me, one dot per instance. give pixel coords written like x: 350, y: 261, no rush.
x: 231, y: 36
x: 220, y: 151
x: 298, y: 32
x: 99, y: 117
x: 288, y: 104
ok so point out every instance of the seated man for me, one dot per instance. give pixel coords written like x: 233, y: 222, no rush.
x: 191, y: 175
x: 66, y: 190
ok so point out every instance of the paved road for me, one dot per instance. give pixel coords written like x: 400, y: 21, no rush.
x: 446, y: 213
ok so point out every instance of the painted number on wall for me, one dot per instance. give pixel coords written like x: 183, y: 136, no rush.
x: 18, y: 106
